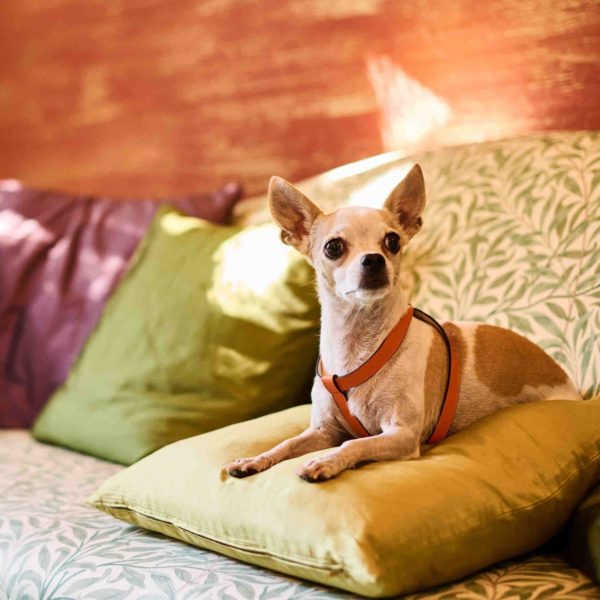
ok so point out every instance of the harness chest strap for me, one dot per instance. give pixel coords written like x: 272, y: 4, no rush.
x: 339, y: 386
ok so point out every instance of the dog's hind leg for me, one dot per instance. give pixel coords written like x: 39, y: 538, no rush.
x: 393, y: 444
x: 308, y: 441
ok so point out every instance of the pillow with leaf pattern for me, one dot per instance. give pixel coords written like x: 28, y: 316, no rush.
x: 511, y: 237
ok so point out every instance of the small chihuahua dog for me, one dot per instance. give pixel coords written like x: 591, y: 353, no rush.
x: 357, y: 254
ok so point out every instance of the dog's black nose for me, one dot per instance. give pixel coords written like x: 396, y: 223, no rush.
x: 372, y: 263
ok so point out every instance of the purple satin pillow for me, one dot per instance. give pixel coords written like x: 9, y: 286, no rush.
x: 61, y: 256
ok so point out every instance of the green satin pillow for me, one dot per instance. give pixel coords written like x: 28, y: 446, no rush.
x: 582, y: 536
x: 212, y: 325
x: 500, y: 488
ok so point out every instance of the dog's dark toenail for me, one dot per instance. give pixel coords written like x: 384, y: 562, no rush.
x: 241, y: 474
x: 311, y: 479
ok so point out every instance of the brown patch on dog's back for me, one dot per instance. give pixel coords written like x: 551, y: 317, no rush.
x: 506, y: 362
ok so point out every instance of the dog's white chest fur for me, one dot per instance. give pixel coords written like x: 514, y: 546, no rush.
x: 393, y: 396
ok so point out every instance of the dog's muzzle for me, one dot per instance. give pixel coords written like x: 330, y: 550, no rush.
x: 374, y: 273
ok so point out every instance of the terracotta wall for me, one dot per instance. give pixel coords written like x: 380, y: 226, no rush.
x: 154, y: 97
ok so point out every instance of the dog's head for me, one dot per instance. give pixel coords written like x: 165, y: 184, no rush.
x: 355, y: 250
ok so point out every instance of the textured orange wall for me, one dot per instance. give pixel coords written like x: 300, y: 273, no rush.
x: 146, y: 97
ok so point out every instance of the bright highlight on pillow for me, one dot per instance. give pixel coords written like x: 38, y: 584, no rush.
x: 377, y: 189
x: 247, y: 265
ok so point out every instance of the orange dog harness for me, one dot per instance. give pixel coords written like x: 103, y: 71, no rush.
x: 338, y: 386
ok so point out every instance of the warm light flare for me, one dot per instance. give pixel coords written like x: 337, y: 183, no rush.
x: 409, y: 111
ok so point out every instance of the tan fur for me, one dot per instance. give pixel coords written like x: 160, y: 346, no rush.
x: 436, y: 375
x: 527, y: 363
x: 400, y: 405
x: 456, y: 337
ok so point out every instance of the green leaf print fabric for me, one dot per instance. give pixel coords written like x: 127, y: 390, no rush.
x: 511, y: 237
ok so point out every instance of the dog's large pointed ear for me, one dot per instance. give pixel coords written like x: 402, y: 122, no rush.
x: 293, y: 212
x: 407, y: 201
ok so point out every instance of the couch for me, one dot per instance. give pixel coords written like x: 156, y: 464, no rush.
x: 510, y: 238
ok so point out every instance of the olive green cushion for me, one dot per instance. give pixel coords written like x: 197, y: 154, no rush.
x: 500, y: 488
x: 582, y: 539
x: 213, y: 325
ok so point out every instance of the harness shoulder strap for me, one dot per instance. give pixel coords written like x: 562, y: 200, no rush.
x: 338, y: 386
x: 380, y: 357
x: 450, y: 401
x: 340, y: 398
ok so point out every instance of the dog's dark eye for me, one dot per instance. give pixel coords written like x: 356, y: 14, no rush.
x: 392, y: 242
x: 334, y: 248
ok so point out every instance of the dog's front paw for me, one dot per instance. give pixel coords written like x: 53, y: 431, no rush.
x: 243, y: 467
x: 321, y: 469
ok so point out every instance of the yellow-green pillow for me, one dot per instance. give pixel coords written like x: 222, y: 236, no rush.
x: 212, y: 325
x: 500, y: 488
